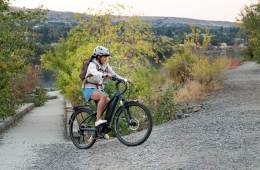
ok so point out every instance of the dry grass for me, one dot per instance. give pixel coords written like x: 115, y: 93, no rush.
x: 198, y: 75
x: 194, y: 90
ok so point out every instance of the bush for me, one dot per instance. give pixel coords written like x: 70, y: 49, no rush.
x: 250, y: 17
x: 7, y: 102
x: 206, y: 77
x: 15, y: 91
x: 142, y: 83
x: 24, y: 83
x: 206, y: 72
x: 196, y: 73
x: 39, y: 97
x: 179, y: 66
x: 164, y: 108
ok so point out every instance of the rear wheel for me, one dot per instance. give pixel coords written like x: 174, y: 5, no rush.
x: 138, y: 129
x: 82, y: 129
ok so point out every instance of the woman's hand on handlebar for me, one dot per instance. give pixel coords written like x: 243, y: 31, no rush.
x: 128, y: 81
x: 114, y: 78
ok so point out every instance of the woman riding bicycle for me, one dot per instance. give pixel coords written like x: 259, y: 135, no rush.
x: 129, y: 117
x: 98, y: 71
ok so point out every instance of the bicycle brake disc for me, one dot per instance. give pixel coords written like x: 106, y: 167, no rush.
x: 135, y: 126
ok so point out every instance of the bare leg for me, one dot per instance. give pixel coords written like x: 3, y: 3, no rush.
x: 102, y: 101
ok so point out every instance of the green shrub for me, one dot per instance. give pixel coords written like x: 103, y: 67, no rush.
x: 7, y: 102
x: 142, y: 79
x: 39, y: 97
x: 164, y: 109
x: 179, y: 66
x: 250, y: 17
x: 206, y: 72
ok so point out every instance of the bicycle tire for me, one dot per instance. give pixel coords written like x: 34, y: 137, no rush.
x: 76, y: 134
x: 118, y: 118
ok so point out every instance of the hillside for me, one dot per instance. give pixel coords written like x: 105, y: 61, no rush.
x: 55, y: 16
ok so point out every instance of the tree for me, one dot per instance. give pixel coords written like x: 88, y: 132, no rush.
x: 17, y: 46
x: 129, y: 39
x: 251, y: 23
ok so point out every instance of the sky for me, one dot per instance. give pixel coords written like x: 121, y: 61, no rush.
x: 218, y: 10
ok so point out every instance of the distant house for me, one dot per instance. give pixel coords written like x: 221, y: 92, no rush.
x: 223, y: 45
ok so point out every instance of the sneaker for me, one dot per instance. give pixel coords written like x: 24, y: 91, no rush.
x: 106, y: 136
x: 100, y: 121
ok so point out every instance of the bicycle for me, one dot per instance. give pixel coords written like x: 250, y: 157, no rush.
x: 131, y: 116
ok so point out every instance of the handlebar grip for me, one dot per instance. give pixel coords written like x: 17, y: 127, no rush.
x: 114, y: 78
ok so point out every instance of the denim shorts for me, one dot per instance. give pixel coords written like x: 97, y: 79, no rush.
x: 87, y: 92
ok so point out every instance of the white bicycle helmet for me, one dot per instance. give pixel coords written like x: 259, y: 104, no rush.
x: 101, y: 51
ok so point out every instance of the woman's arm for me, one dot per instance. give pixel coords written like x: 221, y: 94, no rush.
x: 93, y: 72
x: 111, y: 71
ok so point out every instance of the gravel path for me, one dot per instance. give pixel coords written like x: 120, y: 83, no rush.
x: 226, y: 135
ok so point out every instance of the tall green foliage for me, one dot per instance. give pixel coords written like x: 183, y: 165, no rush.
x: 129, y: 40
x: 136, y: 54
x: 17, y: 46
x: 251, y: 23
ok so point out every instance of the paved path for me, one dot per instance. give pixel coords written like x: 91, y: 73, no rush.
x: 42, y: 126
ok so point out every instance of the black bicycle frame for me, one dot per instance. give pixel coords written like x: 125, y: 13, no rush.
x: 110, y: 108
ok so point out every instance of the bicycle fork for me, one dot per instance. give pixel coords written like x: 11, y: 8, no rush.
x: 127, y: 114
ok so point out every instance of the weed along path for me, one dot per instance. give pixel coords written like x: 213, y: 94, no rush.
x: 224, y: 135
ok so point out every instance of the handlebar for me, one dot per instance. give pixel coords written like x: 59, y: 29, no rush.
x: 118, y: 81
x: 114, y: 78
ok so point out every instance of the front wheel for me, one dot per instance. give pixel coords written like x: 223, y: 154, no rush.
x: 82, y: 129
x: 133, y: 124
